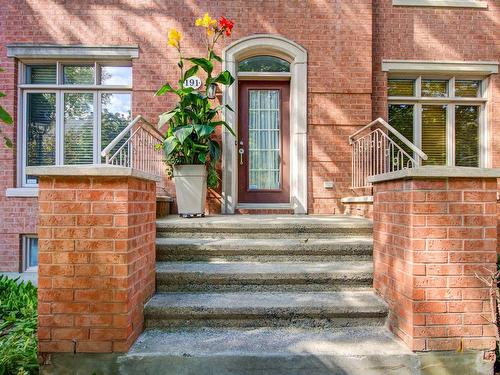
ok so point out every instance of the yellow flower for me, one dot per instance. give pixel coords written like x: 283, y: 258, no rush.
x: 174, y: 38
x: 206, y: 21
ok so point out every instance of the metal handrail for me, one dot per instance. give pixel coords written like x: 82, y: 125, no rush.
x: 105, y: 153
x: 137, y: 148
x: 376, y: 153
x: 400, y: 136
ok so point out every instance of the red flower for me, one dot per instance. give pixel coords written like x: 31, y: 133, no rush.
x: 226, y: 25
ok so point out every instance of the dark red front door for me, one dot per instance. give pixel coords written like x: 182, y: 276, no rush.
x: 264, y: 142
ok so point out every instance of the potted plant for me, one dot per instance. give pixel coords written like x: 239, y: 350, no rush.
x: 191, y: 151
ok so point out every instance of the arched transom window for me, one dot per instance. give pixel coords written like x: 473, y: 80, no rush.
x: 266, y: 64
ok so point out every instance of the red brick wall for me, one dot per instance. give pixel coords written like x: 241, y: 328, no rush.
x: 337, y: 35
x: 96, y: 262
x: 431, y: 33
x: 338, y: 44
x: 430, y: 239
x: 359, y: 210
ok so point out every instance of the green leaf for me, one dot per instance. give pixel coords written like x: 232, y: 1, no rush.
x: 183, y: 132
x: 191, y: 72
x: 8, y: 142
x: 204, y: 64
x: 4, y: 116
x: 224, y: 78
x: 214, y: 56
x: 164, y: 89
x: 169, y: 144
x: 214, y: 149
x: 202, y: 156
x: 228, y: 107
x: 225, y: 124
x: 166, y: 117
x: 203, y: 130
x: 2, y: 95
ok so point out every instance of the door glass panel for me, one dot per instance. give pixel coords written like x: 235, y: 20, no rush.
x: 40, y: 131
x: 115, y: 117
x: 434, y: 134
x: 467, y: 136
x: 264, y: 140
x: 78, y: 128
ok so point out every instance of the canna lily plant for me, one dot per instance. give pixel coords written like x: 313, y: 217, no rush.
x: 194, y: 119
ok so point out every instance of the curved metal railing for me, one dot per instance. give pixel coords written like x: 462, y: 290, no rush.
x: 136, y: 147
x: 376, y: 152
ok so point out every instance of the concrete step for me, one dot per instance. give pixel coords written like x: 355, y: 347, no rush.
x: 270, y: 249
x: 257, y: 276
x: 260, y: 309
x: 263, y: 226
x: 269, y: 351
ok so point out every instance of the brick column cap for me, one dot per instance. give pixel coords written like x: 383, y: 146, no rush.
x: 437, y: 171
x: 100, y: 170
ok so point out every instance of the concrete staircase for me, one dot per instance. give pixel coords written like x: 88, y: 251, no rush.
x: 265, y: 295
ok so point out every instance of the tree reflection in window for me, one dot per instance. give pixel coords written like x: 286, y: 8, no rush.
x: 40, y: 130
x: 264, y: 64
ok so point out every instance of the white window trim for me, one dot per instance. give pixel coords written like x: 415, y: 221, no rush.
x: 482, y: 68
x: 274, y: 45
x: 22, y: 192
x: 25, y: 241
x: 57, y: 51
x: 451, y: 101
x: 60, y: 89
x: 442, y: 3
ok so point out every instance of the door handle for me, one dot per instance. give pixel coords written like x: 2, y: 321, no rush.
x: 241, y: 151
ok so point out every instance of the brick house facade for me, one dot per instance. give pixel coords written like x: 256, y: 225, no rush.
x: 346, y: 42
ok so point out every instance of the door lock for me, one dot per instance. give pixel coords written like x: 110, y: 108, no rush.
x: 241, y: 151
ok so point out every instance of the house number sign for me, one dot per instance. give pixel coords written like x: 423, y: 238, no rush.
x: 194, y: 82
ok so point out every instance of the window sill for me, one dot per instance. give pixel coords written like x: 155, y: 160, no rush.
x: 442, y: 3
x: 24, y: 192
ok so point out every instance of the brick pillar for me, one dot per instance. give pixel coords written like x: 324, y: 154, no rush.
x: 431, y: 236
x: 96, y: 259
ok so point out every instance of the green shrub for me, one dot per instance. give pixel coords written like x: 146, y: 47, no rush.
x: 18, y: 327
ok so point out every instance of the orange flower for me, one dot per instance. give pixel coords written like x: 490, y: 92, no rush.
x: 226, y: 25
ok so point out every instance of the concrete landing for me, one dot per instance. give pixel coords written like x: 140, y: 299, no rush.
x: 230, y: 220
x: 269, y: 351
x: 261, y: 224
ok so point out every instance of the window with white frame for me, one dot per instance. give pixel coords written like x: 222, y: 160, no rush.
x: 444, y: 117
x: 71, y: 111
x: 30, y: 253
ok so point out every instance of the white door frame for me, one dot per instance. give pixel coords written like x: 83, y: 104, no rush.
x: 274, y: 45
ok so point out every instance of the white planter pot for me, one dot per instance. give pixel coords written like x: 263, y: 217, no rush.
x: 191, y: 189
